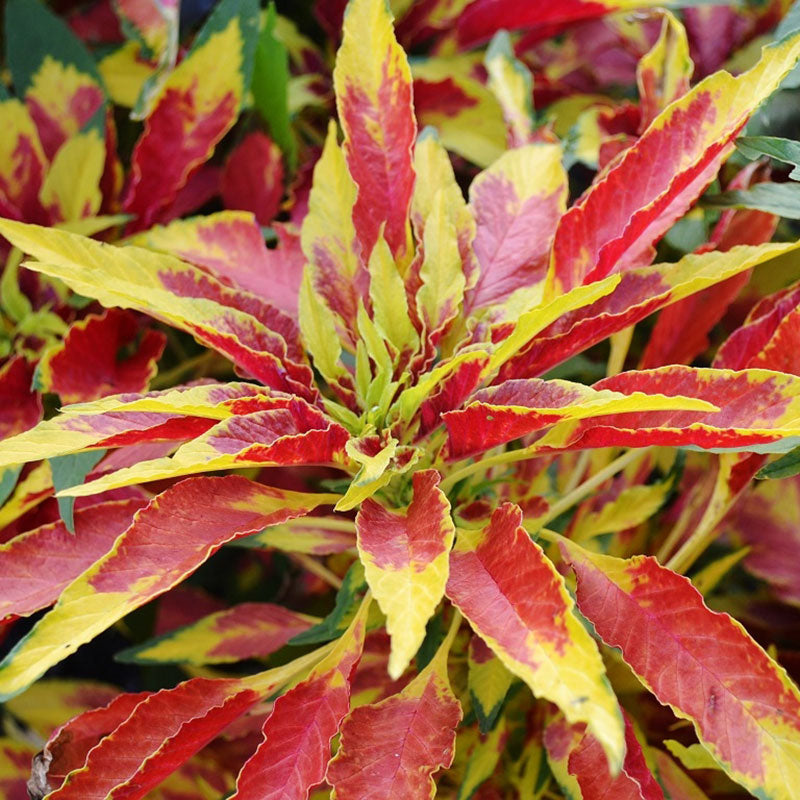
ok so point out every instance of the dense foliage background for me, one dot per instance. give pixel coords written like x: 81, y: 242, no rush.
x: 399, y: 399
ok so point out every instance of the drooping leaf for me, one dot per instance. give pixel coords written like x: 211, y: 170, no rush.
x: 483, y: 18
x: 166, y: 729
x: 20, y: 406
x: 256, y: 336
x: 536, y: 635
x: 660, y: 176
x: 483, y: 759
x: 390, y: 750
x: 295, y: 750
x: 724, y: 682
x: 758, y: 412
x: 405, y: 557
x: 247, y: 630
x: 230, y: 244
x: 291, y: 432
x: 373, y: 96
x: 139, y: 567
x: 640, y: 292
x: 37, y: 565
x: 518, y: 407
x: 192, y: 110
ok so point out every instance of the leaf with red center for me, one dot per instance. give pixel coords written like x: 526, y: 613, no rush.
x: 288, y: 434
x: 247, y: 630
x: 519, y: 407
x: 162, y: 416
x: 22, y: 164
x: 373, y: 96
x: 256, y: 336
x: 253, y: 177
x: 165, y: 729
x: 167, y: 541
x: 329, y: 237
x: 720, y: 679
x: 20, y: 406
x: 614, y: 225
x: 517, y: 203
x: 535, y: 634
x: 483, y: 18
x: 192, y: 110
x: 391, y: 749
x: 36, y: 566
x: 230, y: 244
x: 635, y: 781
x: 405, y: 557
x: 84, y: 366
x: 759, y: 411
x: 69, y: 744
x: 54, y: 72
x: 640, y: 292
x: 296, y: 747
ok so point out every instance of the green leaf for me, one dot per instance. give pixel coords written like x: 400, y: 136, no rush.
x: 270, y: 87
x: 784, y: 467
x: 8, y: 480
x: 774, y: 198
x: 348, y: 599
x: 785, y: 150
x: 68, y: 471
x: 33, y: 32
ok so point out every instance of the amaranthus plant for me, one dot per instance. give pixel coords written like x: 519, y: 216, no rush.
x: 509, y: 548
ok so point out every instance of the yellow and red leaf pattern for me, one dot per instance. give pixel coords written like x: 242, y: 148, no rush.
x: 373, y: 94
x: 723, y: 680
x: 405, y: 557
x: 137, y: 568
x: 389, y: 750
x: 295, y: 751
x: 536, y: 635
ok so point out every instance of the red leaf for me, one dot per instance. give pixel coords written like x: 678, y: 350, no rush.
x: 253, y: 177
x: 86, y: 365
x: 719, y: 678
x: 20, y: 406
x: 296, y: 748
x: 36, y: 566
x: 390, y: 750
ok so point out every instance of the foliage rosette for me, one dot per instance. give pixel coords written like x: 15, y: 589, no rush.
x: 404, y: 521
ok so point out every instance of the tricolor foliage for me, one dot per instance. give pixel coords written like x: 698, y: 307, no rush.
x: 389, y: 427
